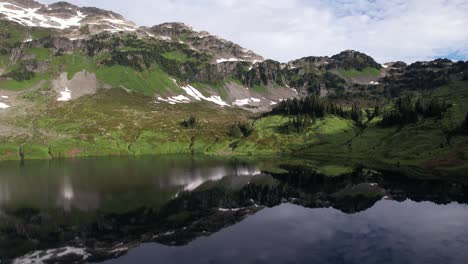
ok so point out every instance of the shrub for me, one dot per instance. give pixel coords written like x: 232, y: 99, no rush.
x: 190, y: 122
x: 241, y: 129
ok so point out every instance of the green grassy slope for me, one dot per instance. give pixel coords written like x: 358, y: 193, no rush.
x: 128, y: 121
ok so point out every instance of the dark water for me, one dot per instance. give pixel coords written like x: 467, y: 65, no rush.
x: 200, y: 210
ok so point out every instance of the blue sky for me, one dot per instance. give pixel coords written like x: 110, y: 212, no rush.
x: 283, y: 30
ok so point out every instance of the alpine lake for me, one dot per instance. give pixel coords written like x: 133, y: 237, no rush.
x: 197, y: 209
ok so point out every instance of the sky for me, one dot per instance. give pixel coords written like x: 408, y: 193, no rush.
x: 283, y: 30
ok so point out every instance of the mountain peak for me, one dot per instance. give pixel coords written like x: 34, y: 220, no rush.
x: 70, y: 19
x: 62, y: 15
x: 62, y: 4
x: 221, y: 49
x: 351, y: 59
x: 24, y: 3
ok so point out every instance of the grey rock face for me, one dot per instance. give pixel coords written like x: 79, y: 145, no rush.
x: 221, y: 49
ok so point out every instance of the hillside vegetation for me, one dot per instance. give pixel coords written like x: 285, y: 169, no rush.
x: 348, y: 106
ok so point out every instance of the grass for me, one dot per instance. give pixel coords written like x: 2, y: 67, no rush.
x: 21, y: 85
x: 334, y: 170
x: 72, y: 64
x: 137, y: 126
x: 95, y: 126
x: 147, y: 82
x: 218, y: 88
x: 260, y: 88
x: 40, y: 33
x: 367, y: 72
x: 128, y: 122
x: 40, y: 54
x: 178, y: 56
x: 14, y: 32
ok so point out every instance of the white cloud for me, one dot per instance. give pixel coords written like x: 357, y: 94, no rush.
x: 388, y: 30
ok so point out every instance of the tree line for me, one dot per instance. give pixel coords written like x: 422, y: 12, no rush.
x: 407, y: 111
x: 311, y: 106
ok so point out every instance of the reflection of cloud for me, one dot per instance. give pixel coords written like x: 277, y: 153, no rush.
x: 66, y: 192
x: 191, y: 179
x: 70, y: 196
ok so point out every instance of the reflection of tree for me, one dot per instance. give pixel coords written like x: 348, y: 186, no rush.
x: 213, y: 206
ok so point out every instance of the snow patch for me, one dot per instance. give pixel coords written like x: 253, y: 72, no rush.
x: 237, y: 59
x: 30, y: 17
x: 246, y: 101
x: 229, y: 210
x: 241, y: 102
x: 197, y: 95
x: 190, y: 90
x: 180, y: 99
x: 273, y: 103
x: 43, y: 256
x: 4, y: 106
x: 166, y: 38
x: 65, y: 95
x: 384, y: 66
x: 374, y: 83
x: 4, y: 97
x: 227, y: 60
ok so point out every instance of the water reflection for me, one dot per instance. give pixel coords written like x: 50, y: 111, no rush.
x: 90, y: 184
x: 107, y: 208
x: 389, y: 232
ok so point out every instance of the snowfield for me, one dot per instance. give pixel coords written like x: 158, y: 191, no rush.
x: 227, y: 60
x: 44, y: 256
x: 4, y: 106
x: 65, y: 95
x: 180, y: 99
x: 246, y: 101
x: 237, y: 59
x: 30, y: 17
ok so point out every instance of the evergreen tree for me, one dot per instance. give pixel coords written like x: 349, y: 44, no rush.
x: 406, y: 112
x: 465, y: 125
x: 235, y: 131
x: 376, y: 111
x: 298, y: 124
x: 190, y: 122
x: 246, y: 128
x: 356, y: 114
x: 310, y: 105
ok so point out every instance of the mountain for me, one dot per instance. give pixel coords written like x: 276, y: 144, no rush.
x: 81, y: 81
x: 64, y: 16
x: 190, y: 65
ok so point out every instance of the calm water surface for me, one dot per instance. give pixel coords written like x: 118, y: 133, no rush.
x: 200, y: 210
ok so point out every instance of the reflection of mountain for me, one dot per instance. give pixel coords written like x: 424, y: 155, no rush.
x: 208, y: 208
